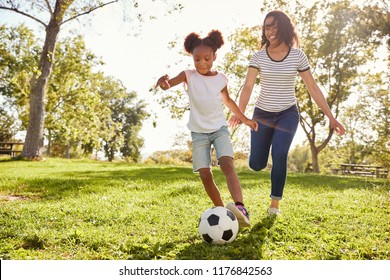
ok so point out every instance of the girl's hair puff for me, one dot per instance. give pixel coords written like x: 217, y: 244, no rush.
x: 214, y: 40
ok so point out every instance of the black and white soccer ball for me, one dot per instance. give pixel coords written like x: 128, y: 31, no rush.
x: 218, y: 225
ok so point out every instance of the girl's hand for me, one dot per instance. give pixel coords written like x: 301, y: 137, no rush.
x: 338, y: 128
x: 252, y: 124
x: 234, y: 122
x: 163, y: 82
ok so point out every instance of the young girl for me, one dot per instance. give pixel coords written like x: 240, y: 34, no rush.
x: 207, y: 89
x: 276, y: 110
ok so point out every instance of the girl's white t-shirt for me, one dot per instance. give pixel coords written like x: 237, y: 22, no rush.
x: 206, y: 109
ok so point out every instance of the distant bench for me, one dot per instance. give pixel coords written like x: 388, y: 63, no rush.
x: 362, y: 170
x: 10, y: 148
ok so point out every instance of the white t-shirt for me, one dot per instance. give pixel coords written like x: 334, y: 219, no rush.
x: 206, y: 109
x: 277, y: 78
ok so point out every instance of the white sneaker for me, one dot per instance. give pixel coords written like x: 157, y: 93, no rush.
x: 274, y: 212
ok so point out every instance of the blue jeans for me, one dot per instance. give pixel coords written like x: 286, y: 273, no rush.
x: 276, y: 130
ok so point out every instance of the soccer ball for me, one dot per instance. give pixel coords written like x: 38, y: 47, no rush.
x: 218, y: 225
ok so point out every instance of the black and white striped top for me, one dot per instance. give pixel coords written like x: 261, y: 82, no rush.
x: 277, y: 78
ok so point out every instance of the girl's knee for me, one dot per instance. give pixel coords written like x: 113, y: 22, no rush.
x: 226, y: 164
x: 205, y: 173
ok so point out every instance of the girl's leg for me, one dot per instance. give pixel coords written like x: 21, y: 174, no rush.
x: 210, y: 186
x: 238, y: 208
x: 285, y: 129
x: 227, y: 167
x: 201, y: 161
x: 224, y: 150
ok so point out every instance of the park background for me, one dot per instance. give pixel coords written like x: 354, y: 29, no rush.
x: 145, y: 203
x: 130, y: 44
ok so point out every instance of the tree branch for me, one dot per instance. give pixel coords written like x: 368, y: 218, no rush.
x: 326, y: 141
x: 49, y: 7
x: 89, y: 11
x: 24, y: 14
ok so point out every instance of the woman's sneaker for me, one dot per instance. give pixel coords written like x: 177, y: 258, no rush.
x: 241, y: 214
x: 274, y: 212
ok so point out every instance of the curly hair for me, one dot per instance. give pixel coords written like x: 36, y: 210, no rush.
x: 214, y: 40
x: 286, y: 29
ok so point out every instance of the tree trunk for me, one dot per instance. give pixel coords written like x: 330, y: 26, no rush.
x: 67, y: 151
x: 314, y: 159
x: 34, y: 137
x: 315, y: 150
x: 49, y: 143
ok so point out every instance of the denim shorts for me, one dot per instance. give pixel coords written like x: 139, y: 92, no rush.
x: 201, y: 147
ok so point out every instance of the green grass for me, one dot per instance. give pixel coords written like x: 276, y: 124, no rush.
x: 79, y: 209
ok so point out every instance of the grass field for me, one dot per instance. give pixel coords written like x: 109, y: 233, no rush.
x: 78, y: 209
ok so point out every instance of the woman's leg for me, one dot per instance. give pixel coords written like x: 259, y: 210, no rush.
x: 261, y: 140
x: 286, y: 126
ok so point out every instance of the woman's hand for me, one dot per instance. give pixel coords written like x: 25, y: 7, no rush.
x: 234, y: 121
x: 252, y: 124
x: 338, y: 128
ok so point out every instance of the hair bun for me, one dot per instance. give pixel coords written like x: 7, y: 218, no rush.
x: 191, y: 40
x: 216, y: 36
x: 214, y: 40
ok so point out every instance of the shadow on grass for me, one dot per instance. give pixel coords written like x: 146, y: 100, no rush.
x: 64, y: 184
x: 247, y: 246
x: 154, y: 174
x: 101, y: 177
x: 337, y: 183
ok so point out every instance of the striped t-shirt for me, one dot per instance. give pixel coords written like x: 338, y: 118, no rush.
x: 277, y: 78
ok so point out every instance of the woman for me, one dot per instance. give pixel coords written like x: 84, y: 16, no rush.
x: 276, y: 111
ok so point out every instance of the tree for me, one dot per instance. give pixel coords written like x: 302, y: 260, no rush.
x: 7, y: 126
x: 59, y: 14
x: 125, y: 121
x: 18, y: 62
x: 83, y: 108
x: 52, y: 15
x: 298, y: 158
x: 134, y: 114
x: 371, y: 113
x: 75, y: 109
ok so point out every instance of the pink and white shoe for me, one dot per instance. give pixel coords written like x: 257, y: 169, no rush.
x: 241, y: 214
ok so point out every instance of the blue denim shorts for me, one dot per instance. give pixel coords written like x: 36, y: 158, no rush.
x: 201, y: 147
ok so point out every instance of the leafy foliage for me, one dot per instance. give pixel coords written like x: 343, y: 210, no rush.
x: 51, y: 15
x: 84, y: 110
x: 18, y: 63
